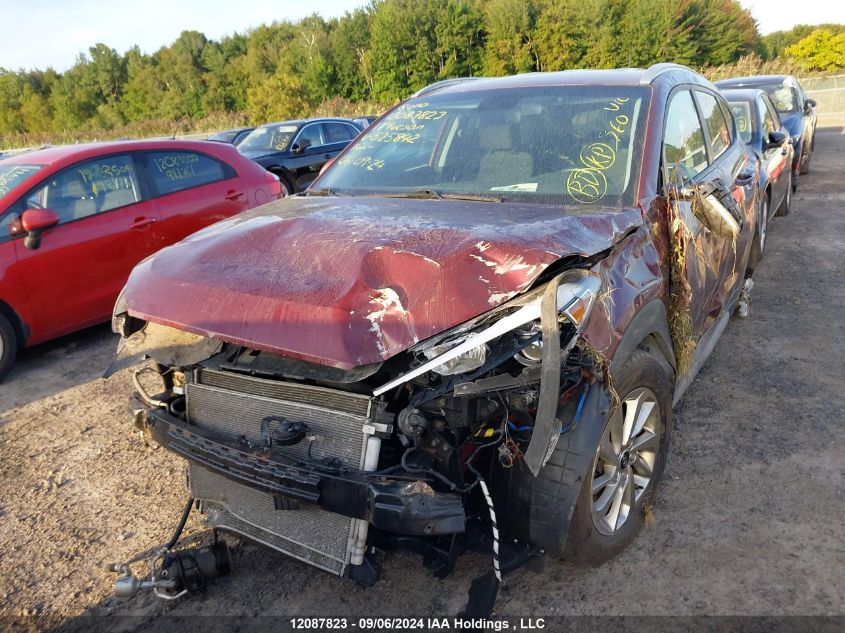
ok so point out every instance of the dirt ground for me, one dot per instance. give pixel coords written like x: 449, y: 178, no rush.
x: 748, y: 520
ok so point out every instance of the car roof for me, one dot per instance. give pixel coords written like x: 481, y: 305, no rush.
x: 234, y: 129
x: 63, y: 153
x: 742, y: 94
x: 754, y: 80
x: 618, y: 77
x: 301, y: 122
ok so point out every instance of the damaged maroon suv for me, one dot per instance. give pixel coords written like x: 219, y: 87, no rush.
x: 469, y: 333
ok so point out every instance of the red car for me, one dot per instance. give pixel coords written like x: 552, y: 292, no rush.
x: 75, y: 220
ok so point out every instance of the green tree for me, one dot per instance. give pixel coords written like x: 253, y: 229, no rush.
x: 510, y: 47
x: 75, y: 97
x: 821, y: 50
x: 11, y: 90
x: 723, y: 30
x: 143, y: 92
x: 774, y: 44
x: 349, y: 41
x: 561, y: 33
x: 282, y: 96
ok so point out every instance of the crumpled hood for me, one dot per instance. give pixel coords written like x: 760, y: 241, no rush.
x: 351, y: 281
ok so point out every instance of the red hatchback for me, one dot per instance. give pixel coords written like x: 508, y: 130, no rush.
x: 75, y: 220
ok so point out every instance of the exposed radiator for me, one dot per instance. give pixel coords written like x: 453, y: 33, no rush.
x: 341, y: 423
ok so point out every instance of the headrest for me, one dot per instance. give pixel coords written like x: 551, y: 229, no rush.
x: 496, y: 137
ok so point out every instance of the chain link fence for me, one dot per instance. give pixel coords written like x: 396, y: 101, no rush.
x: 828, y: 92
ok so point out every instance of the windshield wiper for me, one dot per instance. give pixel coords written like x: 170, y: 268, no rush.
x: 431, y: 194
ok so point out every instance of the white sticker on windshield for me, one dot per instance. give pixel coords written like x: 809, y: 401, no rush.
x: 523, y: 186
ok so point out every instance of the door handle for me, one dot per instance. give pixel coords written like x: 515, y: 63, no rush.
x: 233, y: 195
x: 140, y: 223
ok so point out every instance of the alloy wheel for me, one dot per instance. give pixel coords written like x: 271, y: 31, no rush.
x: 625, y: 460
x: 764, y: 222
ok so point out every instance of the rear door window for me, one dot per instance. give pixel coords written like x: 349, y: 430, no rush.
x: 684, y: 152
x: 338, y: 132
x: 179, y: 170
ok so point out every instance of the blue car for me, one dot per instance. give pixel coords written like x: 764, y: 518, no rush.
x: 796, y: 110
x: 769, y: 143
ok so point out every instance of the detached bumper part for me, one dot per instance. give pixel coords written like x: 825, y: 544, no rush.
x: 404, y: 507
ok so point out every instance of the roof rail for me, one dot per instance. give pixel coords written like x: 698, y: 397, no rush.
x: 443, y: 83
x: 657, y: 69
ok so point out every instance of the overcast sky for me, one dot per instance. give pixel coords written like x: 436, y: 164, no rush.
x: 42, y: 33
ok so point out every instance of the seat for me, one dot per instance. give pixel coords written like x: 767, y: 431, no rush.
x: 500, y: 165
x: 117, y: 198
x: 73, y: 200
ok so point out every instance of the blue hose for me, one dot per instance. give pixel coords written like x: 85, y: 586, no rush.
x: 568, y: 427
x: 577, y: 417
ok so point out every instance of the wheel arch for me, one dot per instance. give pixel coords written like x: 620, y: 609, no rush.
x: 649, y: 331
x: 18, y: 324
x: 282, y: 172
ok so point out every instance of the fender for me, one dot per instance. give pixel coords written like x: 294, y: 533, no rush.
x: 650, y: 321
x: 21, y: 328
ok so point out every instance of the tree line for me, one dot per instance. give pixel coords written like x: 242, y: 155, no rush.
x: 369, y: 58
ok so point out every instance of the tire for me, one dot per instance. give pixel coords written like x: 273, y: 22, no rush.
x: 804, y: 163
x: 758, y: 246
x: 786, y: 204
x: 591, y: 540
x: 287, y: 187
x: 8, y: 346
x: 549, y: 510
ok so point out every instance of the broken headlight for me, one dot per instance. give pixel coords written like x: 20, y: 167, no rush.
x: 464, y: 348
x: 470, y: 360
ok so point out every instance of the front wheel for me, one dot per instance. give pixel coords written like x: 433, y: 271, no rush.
x: 627, y: 465
x: 8, y: 346
x: 804, y: 163
x: 758, y: 246
x: 285, y: 183
x: 786, y: 204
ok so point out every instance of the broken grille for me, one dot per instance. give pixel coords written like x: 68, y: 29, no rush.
x: 235, y: 405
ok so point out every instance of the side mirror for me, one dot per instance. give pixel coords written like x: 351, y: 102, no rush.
x: 34, y: 221
x: 300, y: 147
x: 714, y: 207
x: 775, y: 139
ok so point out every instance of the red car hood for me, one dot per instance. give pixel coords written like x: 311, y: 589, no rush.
x: 352, y: 281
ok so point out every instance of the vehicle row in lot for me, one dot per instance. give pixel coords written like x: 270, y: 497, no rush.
x: 771, y: 147
x: 481, y: 314
x: 75, y: 219
x: 796, y: 110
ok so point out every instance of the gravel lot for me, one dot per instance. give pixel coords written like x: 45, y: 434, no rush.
x: 748, y: 521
